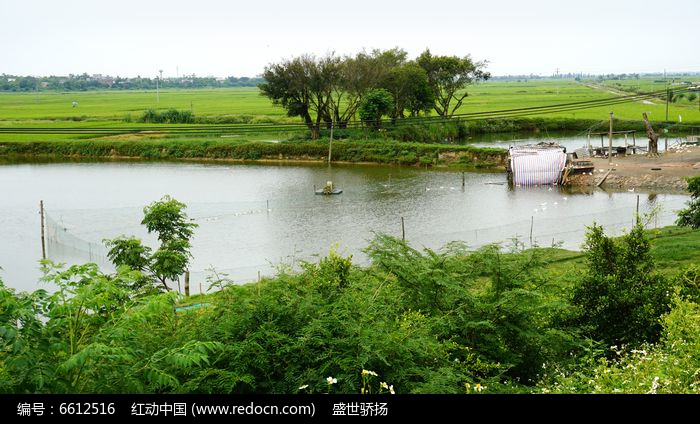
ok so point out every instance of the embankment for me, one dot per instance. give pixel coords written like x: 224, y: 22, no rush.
x: 383, y: 151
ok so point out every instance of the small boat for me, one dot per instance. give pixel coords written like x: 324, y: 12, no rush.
x: 328, y: 189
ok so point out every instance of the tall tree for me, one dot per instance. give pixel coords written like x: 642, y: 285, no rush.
x: 357, y: 76
x: 409, y: 86
x: 448, y: 77
x: 303, y: 86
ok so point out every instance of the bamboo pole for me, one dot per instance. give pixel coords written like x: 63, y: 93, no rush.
x: 43, y: 239
x: 610, y: 140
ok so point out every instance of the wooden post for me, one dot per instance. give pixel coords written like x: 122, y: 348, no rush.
x: 653, y: 146
x: 532, y: 224
x: 637, y: 216
x: 43, y: 240
x: 590, y: 148
x: 200, y: 289
x: 258, y: 276
x: 610, y: 140
x: 403, y: 230
x: 463, y: 179
x: 267, y: 202
x: 330, y: 144
x: 187, y: 283
x: 625, y: 144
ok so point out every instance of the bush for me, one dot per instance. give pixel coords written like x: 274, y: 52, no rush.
x: 691, y: 217
x: 620, y: 299
x: 170, y: 116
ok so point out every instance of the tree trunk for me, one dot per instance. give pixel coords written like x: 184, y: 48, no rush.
x: 653, y: 138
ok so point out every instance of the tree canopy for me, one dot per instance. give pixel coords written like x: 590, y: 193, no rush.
x: 448, y: 76
x: 330, y: 89
x: 168, y: 220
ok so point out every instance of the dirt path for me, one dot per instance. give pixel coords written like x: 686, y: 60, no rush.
x: 668, y: 171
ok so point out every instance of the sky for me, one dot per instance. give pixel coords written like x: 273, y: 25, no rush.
x: 232, y: 38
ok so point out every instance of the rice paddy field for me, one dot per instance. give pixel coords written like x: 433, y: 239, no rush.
x: 246, y: 105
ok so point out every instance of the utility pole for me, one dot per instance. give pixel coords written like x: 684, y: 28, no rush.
x: 610, y: 141
x: 161, y: 82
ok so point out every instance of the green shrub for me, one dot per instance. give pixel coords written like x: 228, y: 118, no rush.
x: 690, y: 217
x: 620, y: 298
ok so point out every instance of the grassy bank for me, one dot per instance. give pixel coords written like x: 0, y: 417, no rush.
x: 377, y: 151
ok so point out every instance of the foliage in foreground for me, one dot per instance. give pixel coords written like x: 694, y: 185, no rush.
x: 425, y: 321
x: 690, y: 217
x: 620, y: 297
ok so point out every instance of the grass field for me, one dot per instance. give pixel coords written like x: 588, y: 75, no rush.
x: 113, y: 108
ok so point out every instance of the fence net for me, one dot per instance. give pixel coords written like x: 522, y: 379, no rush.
x: 247, y: 240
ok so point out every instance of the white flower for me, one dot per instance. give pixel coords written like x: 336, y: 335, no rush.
x: 331, y: 380
x: 365, y: 372
x: 391, y: 390
x: 305, y: 386
x: 384, y: 385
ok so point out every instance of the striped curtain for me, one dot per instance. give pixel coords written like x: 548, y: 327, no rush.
x: 533, y: 167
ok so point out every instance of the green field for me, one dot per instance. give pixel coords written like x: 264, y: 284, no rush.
x: 113, y: 106
x: 246, y: 106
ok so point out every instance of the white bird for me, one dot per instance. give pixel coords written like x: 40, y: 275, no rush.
x: 427, y: 189
x: 631, y: 190
x: 566, y: 198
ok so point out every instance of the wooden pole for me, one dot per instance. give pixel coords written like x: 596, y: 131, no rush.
x: 610, y: 140
x: 43, y: 239
x: 532, y: 224
x: 187, y: 283
x: 637, y: 216
x: 200, y: 289
x: 463, y: 179
x: 330, y: 144
x: 590, y: 148
x: 258, y: 276
x: 403, y: 230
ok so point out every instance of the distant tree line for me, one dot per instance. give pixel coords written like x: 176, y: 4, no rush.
x: 86, y: 82
x: 335, y: 90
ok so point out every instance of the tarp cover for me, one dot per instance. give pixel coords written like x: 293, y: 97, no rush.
x: 532, y: 167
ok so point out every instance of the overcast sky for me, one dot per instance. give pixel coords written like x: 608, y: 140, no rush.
x: 222, y: 38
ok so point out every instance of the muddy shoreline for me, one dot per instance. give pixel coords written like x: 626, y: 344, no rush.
x: 668, y: 172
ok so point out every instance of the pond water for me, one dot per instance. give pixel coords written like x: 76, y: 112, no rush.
x: 253, y: 217
x: 571, y: 142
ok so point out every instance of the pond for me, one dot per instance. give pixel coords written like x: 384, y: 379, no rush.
x: 254, y: 217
